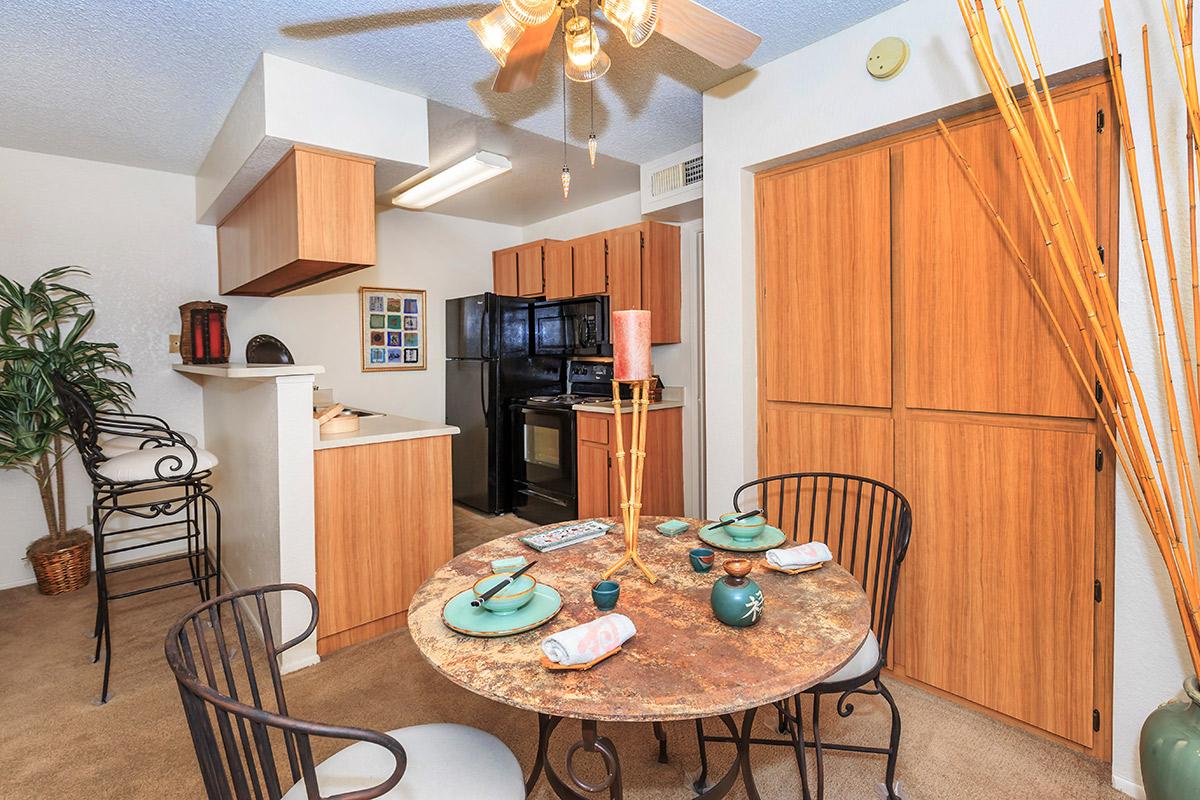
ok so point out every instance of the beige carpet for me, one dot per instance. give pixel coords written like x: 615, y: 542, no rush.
x: 56, y: 743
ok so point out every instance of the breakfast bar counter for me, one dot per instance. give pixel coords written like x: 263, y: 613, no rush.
x: 375, y: 430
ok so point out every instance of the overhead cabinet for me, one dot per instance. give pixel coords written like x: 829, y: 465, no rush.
x: 636, y: 266
x: 310, y: 219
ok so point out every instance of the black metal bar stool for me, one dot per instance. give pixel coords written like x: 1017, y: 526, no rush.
x: 142, y: 469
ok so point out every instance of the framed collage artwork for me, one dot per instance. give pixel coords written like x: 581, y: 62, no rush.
x: 392, y: 326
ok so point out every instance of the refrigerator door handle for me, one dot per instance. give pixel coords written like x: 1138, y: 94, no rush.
x: 483, y: 398
x: 484, y: 339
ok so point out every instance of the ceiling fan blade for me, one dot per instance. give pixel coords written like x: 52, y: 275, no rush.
x: 525, y: 59
x: 706, y: 33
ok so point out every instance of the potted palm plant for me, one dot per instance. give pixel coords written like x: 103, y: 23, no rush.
x: 41, y: 332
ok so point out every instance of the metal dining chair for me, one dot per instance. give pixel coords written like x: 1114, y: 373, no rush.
x: 248, y: 747
x: 867, y: 525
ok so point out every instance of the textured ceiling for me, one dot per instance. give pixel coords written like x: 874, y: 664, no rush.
x: 148, y: 82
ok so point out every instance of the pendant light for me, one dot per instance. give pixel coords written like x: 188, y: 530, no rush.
x: 566, y: 171
x: 529, y: 12
x: 585, y: 61
x: 635, y: 18
x: 497, y: 32
x: 593, y: 144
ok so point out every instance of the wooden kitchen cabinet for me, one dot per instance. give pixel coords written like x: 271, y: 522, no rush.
x: 591, y: 265
x: 530, y: 280
x: 384, y: 523
x: 599, y: 489
x: 310, y: 219
x: 558, y: 270
x: 504, y: 272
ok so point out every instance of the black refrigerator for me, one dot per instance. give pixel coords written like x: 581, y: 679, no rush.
x: 488, y: 364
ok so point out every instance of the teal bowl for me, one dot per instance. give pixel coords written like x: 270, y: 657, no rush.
x: 744, y: 530
x: 510, y: 599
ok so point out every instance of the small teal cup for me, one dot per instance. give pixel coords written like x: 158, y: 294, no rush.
x: 605, y: 594
x: 702, y: 558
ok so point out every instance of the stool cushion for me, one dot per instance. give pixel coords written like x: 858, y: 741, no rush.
x: 139, y: 465
x: 863, y: 661
x: 118, y: 445
x: 444, y: 761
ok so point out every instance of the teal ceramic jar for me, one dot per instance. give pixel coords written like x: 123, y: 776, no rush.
x: 1170, y: 748
x: 737, y: 600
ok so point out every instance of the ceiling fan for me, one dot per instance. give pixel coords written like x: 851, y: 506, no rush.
x: 518, y: 33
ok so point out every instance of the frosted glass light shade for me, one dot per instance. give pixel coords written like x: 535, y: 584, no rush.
x: 566, y: 182
x: 497, y: 32
x: 585, y: 60
x: 634, y: 18
x: 529, y: 12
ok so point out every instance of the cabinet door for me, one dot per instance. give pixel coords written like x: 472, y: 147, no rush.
x: 594, y: 465
x: 591, y: 267
x: 661, y: 281
x: 625, y: 268
x: 504, y: 273
x: 530, y: 282
x: 557, y: 270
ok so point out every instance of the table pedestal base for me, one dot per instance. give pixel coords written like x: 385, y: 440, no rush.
x: 592, y: 742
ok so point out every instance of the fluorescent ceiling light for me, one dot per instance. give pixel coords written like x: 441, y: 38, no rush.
x: 462, y: 176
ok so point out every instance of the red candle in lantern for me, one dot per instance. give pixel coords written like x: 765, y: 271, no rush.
x: 216, y: 338
x: 631, y: 346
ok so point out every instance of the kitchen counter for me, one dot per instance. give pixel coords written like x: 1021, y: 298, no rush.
x: 247, y: 370
x: 672, y: 398
x: 374, y: 430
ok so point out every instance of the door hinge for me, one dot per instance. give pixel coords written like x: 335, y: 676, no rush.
x: 1099, y: 392
x: 642, y: 241
x: 1100, y: 121
x: 1100, y: 250
x: 1096, y: 720
x: 1098, y: 591
x: 1099, y: 460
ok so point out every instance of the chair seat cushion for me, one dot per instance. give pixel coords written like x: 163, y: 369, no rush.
x: 119, y: 445
x: 444, y: 761
x: 155, y: 463
x: 863, y: 661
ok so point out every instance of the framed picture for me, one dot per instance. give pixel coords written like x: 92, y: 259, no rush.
x: 392, y: 328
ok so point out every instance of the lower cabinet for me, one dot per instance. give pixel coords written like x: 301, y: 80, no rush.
x: 384, y: 523
x: 599, y: 485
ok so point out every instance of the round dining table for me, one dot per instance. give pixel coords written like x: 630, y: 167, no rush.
x: 682, y: 664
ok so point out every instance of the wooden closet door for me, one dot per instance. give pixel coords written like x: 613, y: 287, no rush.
x: 825, y: 290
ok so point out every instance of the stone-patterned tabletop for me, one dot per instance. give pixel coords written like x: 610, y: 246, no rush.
x: 682, y: 664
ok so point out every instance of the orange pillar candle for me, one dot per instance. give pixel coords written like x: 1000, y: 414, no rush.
x: 631, y: 346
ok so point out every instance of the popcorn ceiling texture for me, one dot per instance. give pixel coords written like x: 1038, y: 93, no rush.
x: 149, y: 82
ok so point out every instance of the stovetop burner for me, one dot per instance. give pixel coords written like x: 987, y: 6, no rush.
x: 569, y: 399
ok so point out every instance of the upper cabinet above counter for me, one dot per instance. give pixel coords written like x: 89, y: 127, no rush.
x: 310, y: 219
x: 636, y: 266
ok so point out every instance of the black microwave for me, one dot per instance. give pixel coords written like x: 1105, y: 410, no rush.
x: 571, y: 327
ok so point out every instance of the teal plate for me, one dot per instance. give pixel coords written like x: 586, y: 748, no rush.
x: 459, y: 615
x: 770, y: 537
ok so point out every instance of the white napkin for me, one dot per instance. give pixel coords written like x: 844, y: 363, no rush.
x: 588, y: 641
x: 803, y: 556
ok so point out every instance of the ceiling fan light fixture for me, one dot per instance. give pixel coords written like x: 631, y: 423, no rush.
x: 462, y: 176
x: 497, y: 32
x: 585, y: 60
x: 634, y: 18
x: 529, y: 12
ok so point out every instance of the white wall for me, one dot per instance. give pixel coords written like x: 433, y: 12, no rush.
x: 822, y: 93
x: 446, y: 256
x: 677, y: 364
x: 134, y: 229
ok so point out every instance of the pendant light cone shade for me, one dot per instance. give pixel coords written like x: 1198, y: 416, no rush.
x: 497, y: 32
x: 585, y: 60
x: 529, y: 12
x: 592, y: 145
x: 566, y: 181
x: 635, y: 18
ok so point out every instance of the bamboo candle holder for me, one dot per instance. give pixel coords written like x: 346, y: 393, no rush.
x: 631, y: 486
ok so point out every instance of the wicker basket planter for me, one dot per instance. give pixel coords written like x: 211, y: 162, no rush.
x: 62, y: 565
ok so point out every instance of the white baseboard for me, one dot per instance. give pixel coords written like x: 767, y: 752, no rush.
x: 1128, y: 787
x: 18, y: 582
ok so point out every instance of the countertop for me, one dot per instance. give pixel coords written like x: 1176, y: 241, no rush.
x: 247, y: 370
x: 374, y: 430
x: 672, y: 398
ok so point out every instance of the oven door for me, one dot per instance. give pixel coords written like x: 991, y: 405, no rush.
x: 544, y: 464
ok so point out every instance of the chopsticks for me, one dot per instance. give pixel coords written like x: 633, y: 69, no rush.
x: 747, y: 515
x: 492, y: 592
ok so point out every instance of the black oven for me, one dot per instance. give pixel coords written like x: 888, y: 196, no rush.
x: 571, y: 327
x: 543, y: 468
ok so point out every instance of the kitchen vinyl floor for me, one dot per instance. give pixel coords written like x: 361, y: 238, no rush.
x: 56, y: 743
x: 472, y: 529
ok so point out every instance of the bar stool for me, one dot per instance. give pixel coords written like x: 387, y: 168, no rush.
x: 142, y: 469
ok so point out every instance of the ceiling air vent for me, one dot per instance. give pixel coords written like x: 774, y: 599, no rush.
x: 673, y: 182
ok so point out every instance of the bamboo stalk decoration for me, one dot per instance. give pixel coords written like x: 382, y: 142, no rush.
x: 1081, y: 277
x: 631, y: 487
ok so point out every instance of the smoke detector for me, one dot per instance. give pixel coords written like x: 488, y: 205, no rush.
x: 887, y: 58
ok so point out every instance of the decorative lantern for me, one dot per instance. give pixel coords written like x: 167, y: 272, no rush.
x: 203, y: 337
